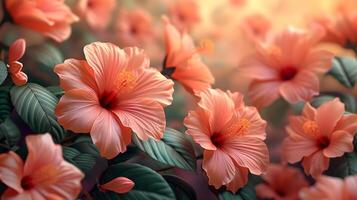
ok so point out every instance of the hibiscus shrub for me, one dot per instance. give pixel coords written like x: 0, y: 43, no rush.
x: 94, y: 106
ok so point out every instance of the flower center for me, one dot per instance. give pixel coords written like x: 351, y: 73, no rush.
x: 288, y: 73
x: 238, y: 127
x: 26, y: 183
x: 124, y: 83
x: 323, y: 142
x: 310, y: 127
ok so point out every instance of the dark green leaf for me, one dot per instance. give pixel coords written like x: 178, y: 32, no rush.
x: 5, y: 103
x: 3, y: 72
x: 344, y: 69
x: 84, y: 144
x: 46, y: 55
x: 9, y: 133
x: 181, y: 188
x: 83, y: 161
x: 149, y: 185
x: 174, y: 149
x: 36, y: 105
x: 130, y: 152
x: 245, y: 193
x: 56, y: 90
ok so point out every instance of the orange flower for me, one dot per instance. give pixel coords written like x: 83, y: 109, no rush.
x: 112, y: 93
x: 341, y: 28
x: 96, y: 12
x: 256, y: 26
x: 134, y: 27
x: 281, y: 183
x: 331, y: 188
x: 52, y: 18
x: 182, y: 62
x: 286, y: 67
x: 185, y: 13
x: 44, y: 175
x: 319, y: 134
x: 232, y: 136
x: 16, y: 51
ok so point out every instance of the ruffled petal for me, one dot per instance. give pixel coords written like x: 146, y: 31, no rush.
x: 136, y: 58
x: 319, y: 61
x: 328, y: 115
x: 219, y: 167
x: 220, y: 107
x: 11, y: 170
x: 108, y: 135
x: 302, y: 88
x: 253, y: 67
x: 197, y: 124
x: 76, y: 74
x: 295, y: 149
x: 315, y: 164
x: 19, y: 78
x: 152, y: 85
x: 256, y: 125
x: 248, y: 152
x: 240, y: 179
x: 119, y: 185
x: 340, y: 142
x: 263, y: 93
x: 78, y: 109
x: 348, y: 123
x: 145, y: 117
x: 17, y: 50
x: 325, y: 188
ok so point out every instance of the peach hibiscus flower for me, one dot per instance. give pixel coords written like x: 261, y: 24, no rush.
x: 318, y: 135
x: 16, y: 51
x: 182, y: 62
x: 134, y: 27
x: 331, y: 188
x: 232, y: 136
x: 281, y: 183
x: 52, y: 18
x: 44, y: 175
x: 112, y: 93
x: 96, y: 12
x: 286, y: 67
x: 185, y: 13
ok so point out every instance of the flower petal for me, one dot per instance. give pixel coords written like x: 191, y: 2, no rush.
x: 318, y: 61
x: 19, y: 78
x: 220, y: 107
x: 302, y: 88
x: 107, y: 60
x: 263, y: 93
x: 151, y: 84
x: 17, y: 50
x: 197, y: 124
x: 11, y: 169
x: 76, y: 74
x: 348, y: 123
x: 219, y: 167
x: 108, y: 135
x: 296, y: 148
x: 240, y: 179
x: 257, y: 125
x: 78, y: 109
x: 119, y: 185
x: 315, y: 164
x: 248, y: 152
x: 340, y: 142
x: 325, y: 188
x: 136, y: 58
x: 328, y: 115
x: 145, y: 117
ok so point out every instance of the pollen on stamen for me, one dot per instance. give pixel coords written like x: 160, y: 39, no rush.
x: 239, y: 127
x: 310, y: 127
x: 206, y: 46
x: 125, y: 81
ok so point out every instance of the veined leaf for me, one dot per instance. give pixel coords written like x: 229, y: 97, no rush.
x: 181, y: 188
x: 149, y: 185
x: 5, y: 103
x: 9, y: 133
x: 245, y: 193
x: 36, y: 105
x: 344, y: 69
x: 56, y: 90
x: 3, y: 72
x: 174, y: 149
x: 84, y: 161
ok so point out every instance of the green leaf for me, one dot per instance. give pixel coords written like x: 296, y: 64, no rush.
x: 56, y: 90
x: 5, y: 103
x: 9, y: 133
x: 245, y: 193
x: 345, y: 165
x: 46, y: 55
x: 84, y: 144
x: 130, y: 153
x: 174, y: 149
x: 83, y: 161
x: 3, y: 72
x: 181, y: 188
x: 149, y: 185
x: 36, y: 105
x: 344, y: 69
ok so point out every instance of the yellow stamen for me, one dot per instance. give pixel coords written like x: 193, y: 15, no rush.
x: 238, y: 127
x: 125, y: 82
x: 310, y: 127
